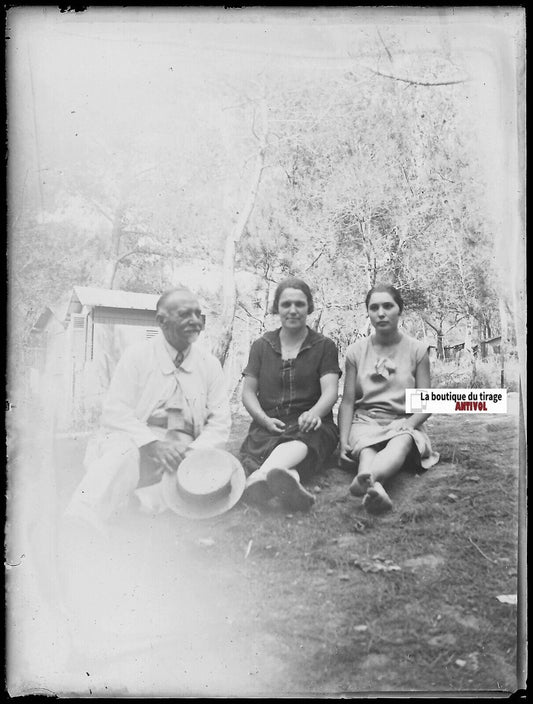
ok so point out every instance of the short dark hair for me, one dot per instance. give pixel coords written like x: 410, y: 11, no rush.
x: 162, y: 302
x: 293, y: 282
x: 385, y: 288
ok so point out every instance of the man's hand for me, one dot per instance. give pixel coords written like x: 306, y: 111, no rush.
x: 273, y: 425
x: 308, y: 421
x: 165, y: 454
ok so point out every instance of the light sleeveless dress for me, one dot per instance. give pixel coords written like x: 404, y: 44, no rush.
x: 380, y: 395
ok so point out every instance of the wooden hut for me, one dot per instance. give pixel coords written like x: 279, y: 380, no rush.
x: 77, y: 345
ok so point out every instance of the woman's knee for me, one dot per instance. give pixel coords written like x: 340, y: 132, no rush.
x: 402, y: 444
x: 288, y: 453
x: 290, y: 446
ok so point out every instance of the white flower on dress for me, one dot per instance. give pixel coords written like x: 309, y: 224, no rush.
x: 385, y: 367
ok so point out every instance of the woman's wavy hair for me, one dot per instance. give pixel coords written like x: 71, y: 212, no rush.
x: 385, y: 288
x: 293, y: 282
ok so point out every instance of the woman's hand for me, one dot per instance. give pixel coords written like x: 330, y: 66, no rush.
x: 401, y: 424
x: 345, y: 454
x: 309, y: 421
x: 273, y: 425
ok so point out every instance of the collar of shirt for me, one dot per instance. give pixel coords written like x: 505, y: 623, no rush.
x: 172, y: 352
x: 272, y: 337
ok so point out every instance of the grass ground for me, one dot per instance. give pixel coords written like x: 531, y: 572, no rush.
x: 272, y: 604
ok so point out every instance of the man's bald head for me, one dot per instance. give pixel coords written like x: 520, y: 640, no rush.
x: 169, y: 298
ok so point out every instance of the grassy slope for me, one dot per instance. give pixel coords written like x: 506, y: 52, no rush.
x: 420, y: 619
x: 268, y: 603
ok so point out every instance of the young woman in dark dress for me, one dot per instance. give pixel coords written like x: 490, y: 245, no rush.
x: 290, y: 386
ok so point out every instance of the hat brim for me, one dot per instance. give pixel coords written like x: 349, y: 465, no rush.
x: 179, y: 505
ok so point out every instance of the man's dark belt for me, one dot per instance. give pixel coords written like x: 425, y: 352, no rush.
x: 158, y: 421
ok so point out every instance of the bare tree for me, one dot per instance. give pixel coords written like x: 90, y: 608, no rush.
x: 229, y: 288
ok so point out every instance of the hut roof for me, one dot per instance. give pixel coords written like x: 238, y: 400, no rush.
x: 110, y: 298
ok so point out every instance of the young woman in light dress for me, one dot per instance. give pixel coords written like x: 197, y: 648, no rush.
x: 375, y: 432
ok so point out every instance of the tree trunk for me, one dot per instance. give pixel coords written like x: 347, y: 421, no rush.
x: 468, y: 335
x: 266, y: 301
x: 367, y: 250
x: 440, y: 344
x: 424, y: 333
x: 229, y: 288
x: 504, y: 332
x: 469, y: 351
x: 316, y: 324
x: 439, y: 333
x: 114, y: 250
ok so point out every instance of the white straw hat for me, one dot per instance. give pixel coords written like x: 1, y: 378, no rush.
x: 207, y: 483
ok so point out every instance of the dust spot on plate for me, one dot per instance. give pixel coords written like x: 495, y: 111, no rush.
x: 442, y: 641
x: 463, y: 619
x: 348, y: 540
x: 424, y: 563
x: 468, y: 622
x: 374, y: 660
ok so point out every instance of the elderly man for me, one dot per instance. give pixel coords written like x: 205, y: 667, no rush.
x: 166, y: 399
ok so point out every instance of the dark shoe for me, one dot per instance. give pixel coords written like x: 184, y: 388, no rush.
x: 257, y: 492
x: 288, y: 489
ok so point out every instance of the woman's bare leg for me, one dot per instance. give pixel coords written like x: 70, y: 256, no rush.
x: 363, y: 480
x: 284, y: 457
x: 384, y: 465
x: 389, y: 460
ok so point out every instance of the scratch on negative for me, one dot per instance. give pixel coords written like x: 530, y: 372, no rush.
x: 15, y: 564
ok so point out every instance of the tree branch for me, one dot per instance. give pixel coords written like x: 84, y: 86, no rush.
x: 458, y: 320
x: 443, y: 178
x: 125, y: 256
x: 253, y: 126
x: 136, y: 232
x: 142, y: 250
x: 229, y: 289
x: 402, y: 167
x: 414, y: 82
x: 98, y: 207
x: 249, y: 314
x: 431, y: 324
x: 385, y: 46
x: 316, y: 258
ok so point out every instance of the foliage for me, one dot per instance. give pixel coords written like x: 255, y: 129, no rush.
x: 45, y: 262
x: 375, y: 182
x: 366, y: 178
x: 460, y: 374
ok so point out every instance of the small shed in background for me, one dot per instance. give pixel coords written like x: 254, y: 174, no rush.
x: 77, y: 344
x: 491, y: 346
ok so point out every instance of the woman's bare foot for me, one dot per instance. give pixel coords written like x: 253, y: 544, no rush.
x: 377, y: 500
x: 361, y: 484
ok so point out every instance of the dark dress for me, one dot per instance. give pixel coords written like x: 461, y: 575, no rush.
x: 287, y: 388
